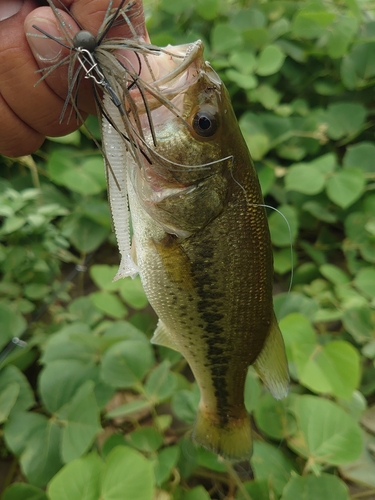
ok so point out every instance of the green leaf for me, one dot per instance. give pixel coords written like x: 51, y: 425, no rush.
x: 279, y: 227
x: 197, y: 493
x: 128, y: 476
x: 37, y: 440
x: 252, y: 391
x: 79, y: 480
x: 311, y: 21
x: 85, y: 234
x: 132, y: 408
x: 365, y: 281
x: 126, y: 363
x: 361, y: 471
x: 270, y: 60
x: 164, y: 463
x: 109, y: 304
x: 131, y: 291
x: 8, y: 397
x: 304, y: 178
x: 60, y: 380
x: 102, y: 275
x: 334, y: 274
x: 269, y: 462
x: 344, y: 118
x: 345, y: 187
x: 81, y: 423
x: 225, y: 38
x: 11, y: 375
x: 326, y: 433
x: 185, y: 405
x: 360, y: 156
x: 325, y: 486
x: 333, y: 368
x: 146, y: 439
x: 360, y: 323
x: 161, y: 383
x: 246, y: 82
x: 22, y: 491
x: 257, y: 489
x: 12, y: 325
x: 273, y: 418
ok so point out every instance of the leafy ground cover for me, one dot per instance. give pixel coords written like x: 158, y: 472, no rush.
x: 89, y: 409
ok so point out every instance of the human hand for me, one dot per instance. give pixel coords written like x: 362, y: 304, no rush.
x: 31, y: 112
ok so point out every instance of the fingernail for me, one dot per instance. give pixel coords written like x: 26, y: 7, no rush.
x: 9, y: 8
x: 43, y: 48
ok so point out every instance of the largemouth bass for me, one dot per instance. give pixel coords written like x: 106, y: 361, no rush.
x: 201, y: 240
x: 202, y: 246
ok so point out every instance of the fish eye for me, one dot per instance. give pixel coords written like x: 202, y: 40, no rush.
x: 84, y: 40
x: 205, y: 123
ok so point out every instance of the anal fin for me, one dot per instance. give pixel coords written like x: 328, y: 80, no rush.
x: 163, y: 337
x: 271, y: 364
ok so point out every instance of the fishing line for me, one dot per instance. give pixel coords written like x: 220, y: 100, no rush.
x: 285, y: 220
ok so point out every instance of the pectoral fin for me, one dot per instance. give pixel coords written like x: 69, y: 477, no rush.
x: 163, y: 337
x: 271, y: 364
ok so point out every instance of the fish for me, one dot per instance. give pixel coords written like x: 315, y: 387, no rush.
x: 201, y: 242
x: 202, y: 245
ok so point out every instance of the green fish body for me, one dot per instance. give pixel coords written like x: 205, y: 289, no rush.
x: 203, y: 248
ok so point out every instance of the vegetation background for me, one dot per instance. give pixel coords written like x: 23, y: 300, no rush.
x: 89, y: 409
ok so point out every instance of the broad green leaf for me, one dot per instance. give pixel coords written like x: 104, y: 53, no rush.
x: 360, y: 323
x: 333, y: 368
x: 361, y: 155
x: 128, y: 475
x: 12, y: 325
x: 12, y: 375
x: 244, y: 81
x: 146, y: 439
x: 311, y: 21
x: 304, y: 179
x: 22, y: 491
x: 273, y: 418
x: 109, y: 304
x: 208, y: 9
x: 12, y: 224
x: 210, y: 460
x: 185, y: 405
x: 175, y: 7
x: 257, y: 489
x: 8, y: 397
x: 85, y: 234
x: 334, y: 274
x: 81, y: 423
x: 279, y: 226
x: 131, y: 291
x: 326, y: 433
x: 361, y: 471
x: 102, y: 275
x: 78, y: 480
x: 344, y: 118
x: 84, y: 310
x: 40, y: 459
x: 197, y: 493
x: 60, y: 380
x: 132, y: 408
x: 365, y: 281
x: 319, y: 211
x: 164, y: 463
x: 269, y: 462
x: 161, y: 383
x: 340, y: 36
x: 126, y: 363
x: 252, y: 391
x: 345, y: 187
x: 310, y: 487
x: 270, y: 60
x: 225, y: 38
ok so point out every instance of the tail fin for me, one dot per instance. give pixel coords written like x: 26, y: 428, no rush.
x: 231, y: 441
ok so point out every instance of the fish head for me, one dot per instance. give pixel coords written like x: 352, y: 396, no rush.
x: 190, y: 139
